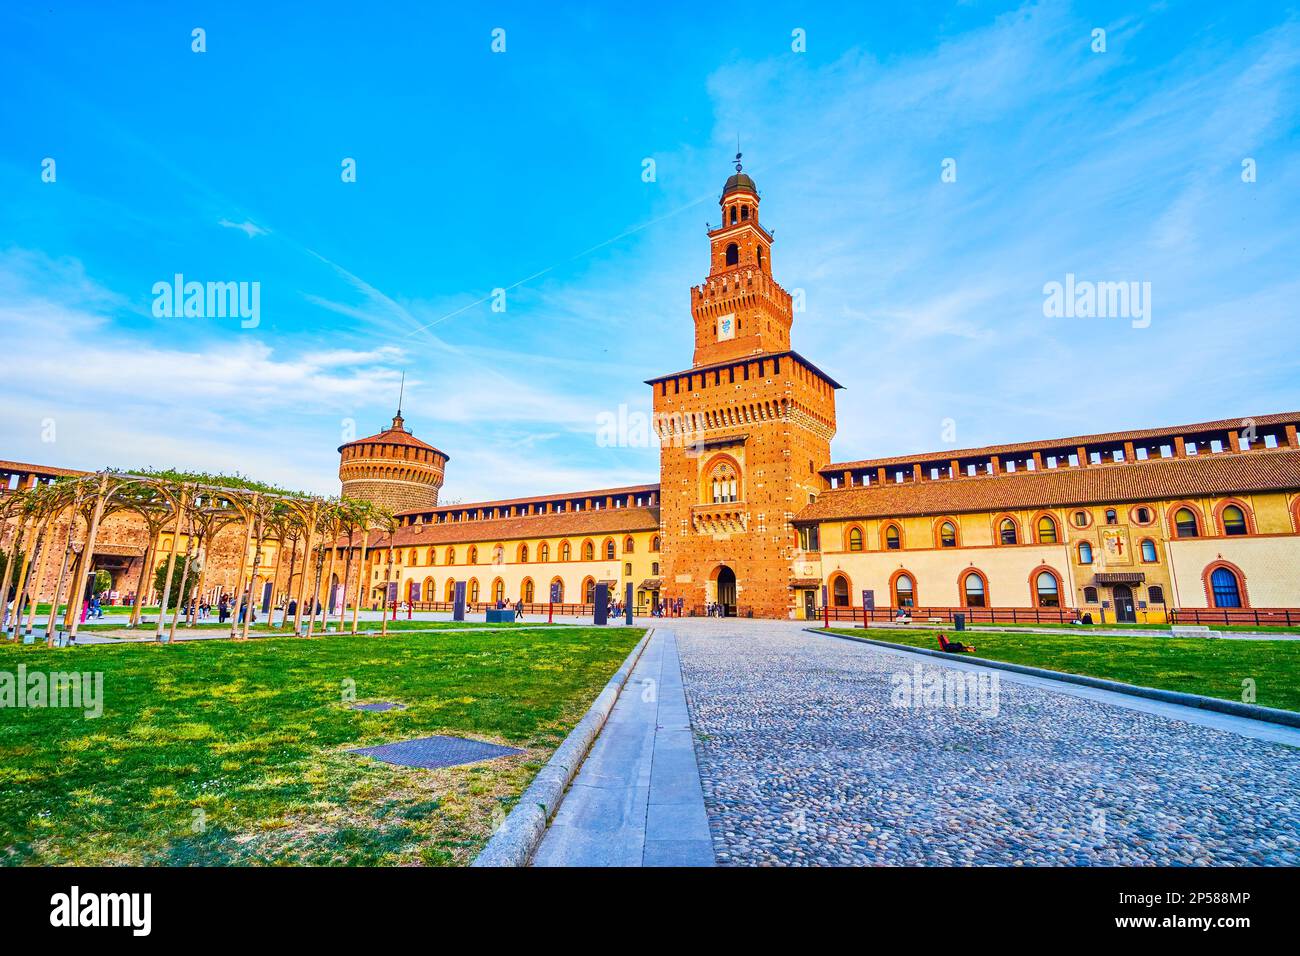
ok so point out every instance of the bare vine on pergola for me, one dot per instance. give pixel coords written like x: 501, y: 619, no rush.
x: 195, y: 510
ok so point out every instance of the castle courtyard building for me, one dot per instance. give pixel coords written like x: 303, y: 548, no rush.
x: 752, y: 515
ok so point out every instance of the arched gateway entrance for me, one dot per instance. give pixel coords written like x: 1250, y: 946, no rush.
x: 727, y: 590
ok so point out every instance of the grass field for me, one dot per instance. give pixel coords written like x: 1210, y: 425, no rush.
x: 1215, y: 668
x: 217, y: 752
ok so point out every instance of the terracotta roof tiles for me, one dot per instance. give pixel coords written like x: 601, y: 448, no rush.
x: 1140, y: 434
x: 1152, y: 480
x: 566, y: 524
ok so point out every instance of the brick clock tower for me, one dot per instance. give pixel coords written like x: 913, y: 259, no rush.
x: 744, y: 431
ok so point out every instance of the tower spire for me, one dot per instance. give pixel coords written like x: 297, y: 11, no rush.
x: 398, y: 421
x: 738, y: 153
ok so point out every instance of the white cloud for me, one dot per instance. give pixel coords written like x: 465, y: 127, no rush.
x: 247, y: 227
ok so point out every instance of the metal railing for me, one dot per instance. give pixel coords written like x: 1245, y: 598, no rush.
x: 974, y: 615
x: 1258, y: 616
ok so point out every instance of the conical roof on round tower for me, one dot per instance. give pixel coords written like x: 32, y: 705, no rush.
x: 392, y: 468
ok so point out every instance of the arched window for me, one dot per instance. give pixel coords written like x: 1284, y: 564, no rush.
x: 904, y: 591
x: 1225, y: 588
x: 557, y: 586
x: 654, y: 543
x: 523, y: 554
x: 451, y: 555
x: 566, y: 551
x: 733, y: 215
x: 1046, y: 530
x: 855, y: 539
x: 498, y: 590
x: 1185, y: 523
x: 629, y: 545
x: 724, y: 486
x: 1047, y: 590
x: 449, y: 592
x: 610, y: 551
x: 733, y: 252
x: 973, y: 590
x: 588, y: 551
x: 1080, y: 519
x: 589, y: 591
x: 840, y: 591
x: 473, y: 590
x: 1085, y: 552
x: 473, y: 555
x: 1007, y: 531
x: 413, y: 557
x: 433, y: 556
x: 893, y: 540
x: 1156, y: 594
x: 1234, y: 520
x: 544, y: 552
x: 759, y: 252
x: 1111, y: 516
x: 1148, y: 550
x: 528, y: 591
x: 1090, y: 595
x: 744, y: 213
x: 947, y: 535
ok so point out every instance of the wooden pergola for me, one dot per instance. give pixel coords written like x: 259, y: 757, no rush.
x: 73, y: 509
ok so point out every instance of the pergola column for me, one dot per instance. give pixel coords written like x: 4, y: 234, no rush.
x: 88, y: 555
x: 243, y: 567
x: 31, y: 583
x: 308, y: 542
x: 171, y: 566
x: 63, y: 571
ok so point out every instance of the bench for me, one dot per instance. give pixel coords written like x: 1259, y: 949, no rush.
x: 1191, y: 630
x: 937, y: 620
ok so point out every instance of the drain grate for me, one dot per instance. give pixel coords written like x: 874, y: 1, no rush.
x: 379, y: 706
x: 432, y: 752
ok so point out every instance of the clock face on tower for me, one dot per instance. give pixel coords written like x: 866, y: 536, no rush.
x: 727, y: 327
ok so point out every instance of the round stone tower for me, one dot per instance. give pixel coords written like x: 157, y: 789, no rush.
x: 393, y: 469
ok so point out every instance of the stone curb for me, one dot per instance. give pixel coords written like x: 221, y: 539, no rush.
x: 1270, y: 715
x: 519, y: 835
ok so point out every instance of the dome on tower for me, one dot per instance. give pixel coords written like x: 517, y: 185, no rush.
x: 739, y: 181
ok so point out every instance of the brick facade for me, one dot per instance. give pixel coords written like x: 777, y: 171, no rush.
x: 745, y: 432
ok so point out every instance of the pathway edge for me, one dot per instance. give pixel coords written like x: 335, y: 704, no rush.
x: 1271, y: 715
x: 521, y: 832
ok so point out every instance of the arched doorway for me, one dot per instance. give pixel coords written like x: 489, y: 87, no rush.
x: 727, y: 590
x: 1124, y: 612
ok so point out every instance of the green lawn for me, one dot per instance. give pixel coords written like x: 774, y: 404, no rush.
x: 221, y: 752
x: 1215, y: 668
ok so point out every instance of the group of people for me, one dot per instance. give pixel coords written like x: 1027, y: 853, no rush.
x: 670, y: 608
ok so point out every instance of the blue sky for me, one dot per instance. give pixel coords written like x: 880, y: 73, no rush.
x: 523, y: 170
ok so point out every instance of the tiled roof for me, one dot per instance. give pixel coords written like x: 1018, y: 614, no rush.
x: 392, y: 436
x: 1152, y: 480
x: 566, y: 524
x: 27, y: 468
x: 536, y: 499
x: 1027, y: 447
